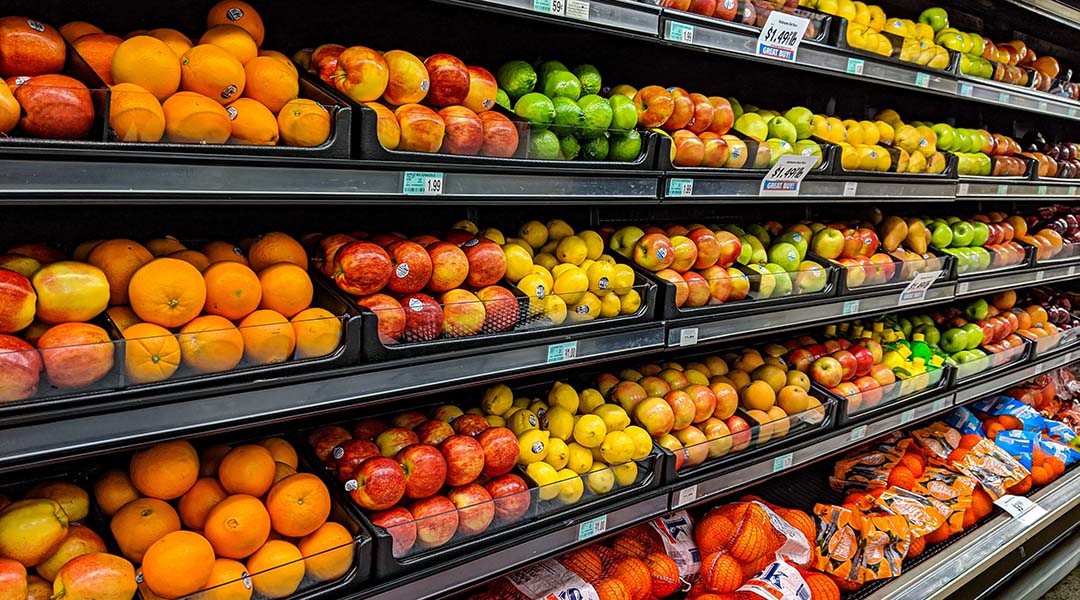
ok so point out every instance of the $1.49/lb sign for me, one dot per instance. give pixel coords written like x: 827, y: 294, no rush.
x: 781, y: 35
x: 785, y: 177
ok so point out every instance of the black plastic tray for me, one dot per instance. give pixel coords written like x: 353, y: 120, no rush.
x: 896, y: 283
x: 829, y: 155
x: 1022, y: 357
x: 1029, y: 256
x: 949, y: 174
x: 845, y: 414
x: 839, y: 39
x: 1030, y: 173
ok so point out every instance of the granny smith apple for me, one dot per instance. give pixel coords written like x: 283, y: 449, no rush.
x: 941, y: 235
x: 953, y: 340
x: 800, y: 116
x: 809, y: 148
x: 982, y: 233
x: 946, y: 136
x: 779, y: 148
x: 974, y: 335
x: 983, y: 166
x: 752, y: 126
x: 781, y: 128
x: 976, y: 310
x: 795, y: 239
x: 782, y: 277
x: 962, y: 233
x: 983, y: 258
x: 936, y: 17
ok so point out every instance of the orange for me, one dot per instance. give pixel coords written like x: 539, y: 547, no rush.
x: 192, y: 257
x: 224, y: 252
x: 252, y: 123
x: 303, y: 123
x: 969, y: 440
x: 199, y: 501
x: 135, y: 114
x: 298, y: 505
x: 140, y: 523
x: 166, y: 470
x: 276, y: 247
x: 211, y: 344
x: 237, y: 526
x: 612, y: 589
x: 1041, y: 475
x: 268, y: 337
x: 282, y: 470
x: 281, y: 450
x: 10, y: 112
x: 97, y: 50
x: 286, y: 288
x: 748, y: 543
x: 276, y: 569
x: 1022, y: 487
x: 167, y: 291
x: 822, y: 587
x: 151, y: 353
x: 148, y: 63
x: 585, y: 562
x: 759, y: 395
x: 327, y: 551
x: 239, y: 13
x: 210, y: 458
x: 271, y: 82
x: 1055, y: 465
x: 119, y: 259
x: 226, y: 582
x: 634, y: 573
x: 720, y: 572
x: 902, y: 477
x: 913, y: 463
x: 318, y: 332
x: 164, y: 246
x: 113, y: 490
x: 210, y: 70
x: 233, y: 290
x: 799, y: 520
x: 274, y: 54
x: 714, y: 533
x: 192, y: 118
x: 178, y: 564
x: 247, y: 469
x: 1054, y: 238
x: 232, y: 39
x: 176, y: 41
x: 1037, y: 314
x: 76, y: 29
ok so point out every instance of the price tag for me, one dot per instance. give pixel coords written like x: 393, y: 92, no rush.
x: 684, y: 496
x: 851, y: 187
x: 1072, y: 112
x: 550, y: 7
x: 855, y: 66
x: 1003, y: 97
x: 966, y: 90
x: 592, y: 528
x: 680, y: 32
x: 916, y: 290
x: 781, y: 35
x: 578, y: 9
x: 922, y: 80
x: 422, y: 184
x: 787, y: 174
x: 680, y: 187
x: 1041, y: 190
x: 1072, y: 271
x: 907, y: 416
x: 858, y: 433
x: 962, y: 189
x: 851, y: 307
x: 962, y: 287
x: 1021, y: 509
x: 688, y: 336
x: 1041, y: 106
x: 1039, y: 275
x: 1072, y: 190
x: 1003, y: 189
x: 560, y: 352
x: 783, y: 462
x: 939, y: 404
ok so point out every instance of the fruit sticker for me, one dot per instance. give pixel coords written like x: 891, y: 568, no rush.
x: 549, y: 579
x: 778, y: 580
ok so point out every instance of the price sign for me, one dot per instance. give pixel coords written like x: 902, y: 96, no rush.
x: 858, y: 433
x: 851, y: 307
x: 1021, y: 509
x: 578, y: 9
x: 1003, y: 189
x: 963, y: 188
x: 781, y: 35
x: 922, y: 80
x: 1041, y: 190
x: 851, y: 188
x: 1003, y: 97
x: 680, y: 32
x: 962, y: 287
x: 787, y: 174
x: 782, y: 462
x: 684, y: 496
x: 680, y: 187
x: 560, y: 352
x: 1041, y: 106
x: 855, y: 66
x: 550, y: 7
x: 1072, y: 112
x: 592, y: 528
x: 920, y: 284
x: 940, y: 404
x: 688, y: 336
x: 966, y: 90
x: 907, y: 416
x: 1039, y: 275
x: 422, y: 184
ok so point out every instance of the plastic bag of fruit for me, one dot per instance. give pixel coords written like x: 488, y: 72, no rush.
x: 869, y: 468
x: 859, y: 547
x: 938, y: 440
x: 964, y: 421
x: 922, y: 515
x: 991, y: 466
x: 950, y: 492
x: 675, y: 533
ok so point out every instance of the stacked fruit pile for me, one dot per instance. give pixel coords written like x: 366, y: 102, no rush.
x: 1050, y: 312
x: 856, y: 248
x: 981, y: 243
x: 776, y: 134
x: 747, y: 12
x: 868, y: 28
x: 48, y: 531
x: 1056, y: 231
x: 978, y: 329
x: 981, y: 152
x: 1055, y: 160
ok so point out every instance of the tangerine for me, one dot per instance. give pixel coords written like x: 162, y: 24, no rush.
x: 178, y: 564
x: 140, y: 523
x: 166, y: 470
x: 276, y: 568
x: 211, y: 344
x: 232, y: 290
x: 237, y: 526
x: 167, y: 292
x: 151, y: 353
x: 327, y: 551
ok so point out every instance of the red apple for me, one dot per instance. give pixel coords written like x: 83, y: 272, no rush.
x: 704, y: 402
x: 362, y: 268
x: 30, y: 47
x: 501, y: 308
x: 883, y: 375
x: 433, y: 431
x: 425, y: 470
x: 703, y: 114
x: 460, y: 237
x: 20, y: 369
x: 698, y: 291
x: 827, y: 371
x: 463, y: 313
x: 392, y: 440
x: 689, y: 149
x: 708, y: 247
x: 408, y: 81
x: 655, y: 105
x: 399, y: 523
x: 726, y: 10
x: 449, y: 266
x: 377, y: 484
x: 686, y: 253
x: 740, y: 284
x: 799, y: 359
x: 682, y: 290
x: 487, y: 263
x: 475, y: 507
x: 703, y: 7
x: 436, y: 520
x: 464, y: 130
x: 482, y: 90
x: 349, y: 454
x: 500, y: 135
x: 864, y: 359
x: 13, y: 585
x: 628, y: 394
x: 411, y: 267
x: 818, y: 350
x: 362, y: 74
x: 876, y: 351
x: 847, y: 389
x: 723, y: 115
x: 323, y: 61
x: 869, y: 241
x: 847, y: 363
x: 422, y: 129
x: 719, y: 284
x: 717, y: 150
x: 470, y: 424
x: 500, y: 450
x: 390, y: 315
x: 464, y: 459
x: 409, y: 419
x: 654, y: 386
x: 730, y: 248
x: 683, y: 406
x: 449, y: 80
x: 324, y: 439
x: 385, y: 240
x: 18, y: 301
x: 654, y: 251
x: 870, y: 390
x: 329, y: 246
x: 423, y: 317
x: 741, y: 434
x: 683, y: 109
x: 424, y: 240
x: 512, y: 497
x: 54, y: 106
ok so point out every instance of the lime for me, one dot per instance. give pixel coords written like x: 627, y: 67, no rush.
x: 562, y: 84
x: 543, y: 145
x: 625, y: 147
x: 503, y: 100
x: 536, y: 109
x: 517, y: 78
x: 569, y: 147
x: 736, y: 108
x: 623, y: 112
x: 569, y: 118
x: 595, y: 149
x: 546, y: 68
x: 598, y: 116
x: 589, y: 77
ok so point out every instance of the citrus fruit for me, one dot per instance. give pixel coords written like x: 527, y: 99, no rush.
x: 516, y: 78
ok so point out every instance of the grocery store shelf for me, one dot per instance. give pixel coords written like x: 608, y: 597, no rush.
x: 611, y: 15
x: 1015, y: 190
x: 1051, y: 9
x: 835, y: 190
x: 1015, y: 279
x: 1046, y: 572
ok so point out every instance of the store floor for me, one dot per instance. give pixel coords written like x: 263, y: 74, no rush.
x: 1066, y: 589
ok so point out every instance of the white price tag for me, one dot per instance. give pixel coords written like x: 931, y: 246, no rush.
x: 781, y: 35
x: 680, y: 32
x: 1021, y: 509
x: 688, y: 336
x: 916, y: 290
x: 966, y: 90
x: 680, y: 187
x: 787, y: 174
x: 1041, y: 190
x: 851, y: 307
x: 962, y: 287
x: 858, y: 433
x: 560, y: 352
x: 783, y: 462
x: 1072, y: 271
x: 1039, y: 275
x: 1003, y: 97
x: 550, y: 7
x: 851, y: 188
x: 963, y: 188
x: 592, y: 528
x: 1003, y: 189
x: 684, y: 496
x: 940, y: 404
x: 578, y: 9
x: 907, y: 416
x: 422, y: 184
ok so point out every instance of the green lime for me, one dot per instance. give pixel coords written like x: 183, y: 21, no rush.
x: 517, y: 78
x: 569, y: 147
x: 562, y: 85
x: 598, y: 116
x: 589, y: 77
x: 569, y: 118
x: 736, y: 108
x: 543, y: 145
x: 623, y: 112
x: 595, y: 149
x: 546, y: 68
x: 503, y: 100
x: 625, y: 147
x: 535, y: 108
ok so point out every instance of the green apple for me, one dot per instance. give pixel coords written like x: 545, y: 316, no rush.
x: 946, y: 136
x: 763, y: 281
x: 962, y: 234
x: 811, y: 278
x: 781, y: 128
x: 976, y: 310
x: 752, y: 126
x: 758, y: 230
x: 733, y: 229
x: 982, y: 233
x: 757, y: 250
x: 809, y: 148
x: 930, y: 333
x: 778, y: 148
x: 800, y: 116
x: 974, y: 335
x: 796, y: 239
x: 941, y: 235
x: 786, y: 255
x: 954, y: 340
x: 782, y: 277
x: 736, y: 109
x: 983, y: 258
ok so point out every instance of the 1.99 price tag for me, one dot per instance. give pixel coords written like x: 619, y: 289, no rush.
x: 781, y: 35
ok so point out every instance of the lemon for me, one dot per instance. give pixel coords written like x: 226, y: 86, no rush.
x: 590, y: 431
x: 534, y: 285
x: 558, y: 229
x: 522, y: 420
x: 579, y: 458
x: 495, y: 420
x: 545, y: 274
x: 558, y: 454
x: 497, y: 399
x: 554, y: 309
x: 571, y: 285
x: 615, y: 418
x: 535, y: 233
x: 609, y: 259
x: 518, y: 403
x: 617, y: 448
x: 642, y: 441
x: 545, y: 476
x: 624, y: 279
x: 590, y: 399
x: 493, y: 234
x: 594, y: 243
x: 601, y: 277
x: 610, y: 306
x: 559, y: 422
x: 466, y: 225
x: 446, y: 412
x: 587, y: 309
x: 532, y: 446
x: 572, y: 249
x: 522, y: 243
x: 548, y: 261
x: 476, y: 410
x: 518, y: 262
x: 625, y: 474
x: 564, y: 395
x: 585, y: 264
x: 600, y: 479
x: 571, y: 487
x: 539, y: 408
x: 597, y: 456
x: 561, y: 268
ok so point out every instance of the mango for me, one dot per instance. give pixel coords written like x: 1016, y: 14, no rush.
x: 893, y: 231
x: 80, y: 540
x: 97, y: 576
x: 32, y: 530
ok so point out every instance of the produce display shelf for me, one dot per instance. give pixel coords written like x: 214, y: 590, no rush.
x: 1014, y: 279
x: 1036, y: 190
x: 680, y: 189
x: 1051, y: 9
x: 623, y: 16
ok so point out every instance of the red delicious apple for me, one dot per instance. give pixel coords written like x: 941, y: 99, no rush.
x: 408, y: 81
x: 683, y: 109
x: 449, y: 266
x: 349, y: 454
x: 55, y: 107
x: 698, y: 291
x: 361, y: 74
x: 655, y: 105
x: 487, y: 263
x: 392, y: 440
x: 470, y: 424
x: 464, y: 130
x: 390, y: 315
x: 423, y: 317
x: 463, y: 313
x: 422, y: 129
x: 385, y: 240
x: 411, y: 267
x: 20, y: 369
x: 501, y: 308
x: 500, y: 135
x: 424, y: 240
x: 500, y: 450
x: 362, y: 268
x: 689, y: 149
x: 425, y: 470
x: 847, y: 363
x: 475, y: 507
x: 433, y: 431
x: 827, y: 371
x: 324, y: 439
x: 719, y: 284
x: 399, y: 523
x: 329, y: 246
x: 511, y: 496
x: 464, y: 459
x: 654, y: 251
x: 482, y: 90
x: 18, y: 301
x: 436, y: 520
x: 741, y: 434
x: 864, y: 359
x: 29, y: 47
x: 377, y: 484
x: 449, y: 80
